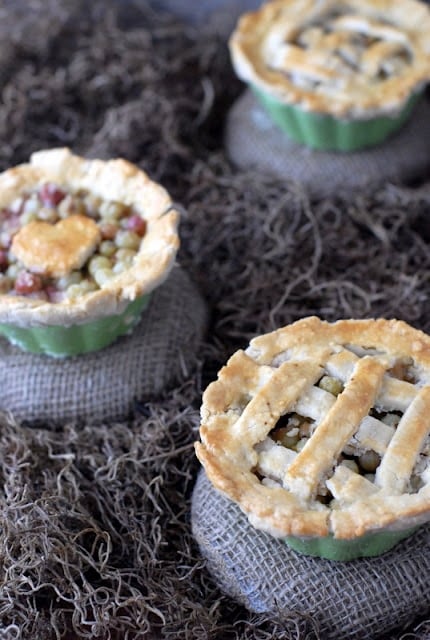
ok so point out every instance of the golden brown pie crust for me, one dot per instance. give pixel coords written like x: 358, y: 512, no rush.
x: 116, y: 180
x: 56, y: 250
x: 266, y: 54
x: 277, y: 374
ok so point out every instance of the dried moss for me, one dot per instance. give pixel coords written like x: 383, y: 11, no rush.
x: 95, y: 539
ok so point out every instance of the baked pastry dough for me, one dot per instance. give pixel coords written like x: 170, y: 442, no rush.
x: 354, y: 59
x: 57, y: 182
x: 56, y: 249
x: 322, y: 429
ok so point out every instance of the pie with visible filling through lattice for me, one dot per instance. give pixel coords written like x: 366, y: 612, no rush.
x: 322, y: 429
x: 351, y: 59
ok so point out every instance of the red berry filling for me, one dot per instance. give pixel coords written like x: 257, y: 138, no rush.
x: 51, y: 195
x: 27, y: 282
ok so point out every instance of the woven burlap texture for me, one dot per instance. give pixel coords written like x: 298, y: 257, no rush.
x: 361, y: 599
x: 105, y: 385
x: 252, y: 140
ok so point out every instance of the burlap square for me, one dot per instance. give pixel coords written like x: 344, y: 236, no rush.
x: 361, y: 599
x: 104, y: 385
x: 252, y: 140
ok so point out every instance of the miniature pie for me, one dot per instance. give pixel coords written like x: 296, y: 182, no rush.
x: 320, y: 433
x: 335, y: 75
x: 82, y: 245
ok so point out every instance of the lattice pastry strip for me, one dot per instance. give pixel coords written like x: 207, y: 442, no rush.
x: 251, y: 376
x: 394, y: 394
x: 345, y: 485
x: 397, y: 465
x: 372, y: 434
x: 291, y: 426
x: 274, y: 460
x: 371, y: 28
x: 323, y: 449
x: 275, y: 398
x: 382, y: 56
x: 314, y: 403
x: 290, y: 59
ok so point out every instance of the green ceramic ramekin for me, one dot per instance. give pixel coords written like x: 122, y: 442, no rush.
x: 327, y: 133
x: 369, y: 545
x: 61, y: 341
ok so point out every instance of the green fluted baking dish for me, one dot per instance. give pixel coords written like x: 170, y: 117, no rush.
x: 60, y: 341
x: 366, y: 546
x: 325, y: 133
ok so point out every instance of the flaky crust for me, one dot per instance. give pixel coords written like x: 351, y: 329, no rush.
x: 56, y: 250
x: 117, y: 180
x: 255, y: 43
x: 269, y: 379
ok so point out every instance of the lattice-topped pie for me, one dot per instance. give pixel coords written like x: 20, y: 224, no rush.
x: 351, y: 60
x: 82, y: 244
x: 320, y: 432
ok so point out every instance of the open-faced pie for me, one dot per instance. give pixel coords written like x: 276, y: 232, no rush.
x: 320, y: 432
x: 82, y: 244
x: 356, y: 61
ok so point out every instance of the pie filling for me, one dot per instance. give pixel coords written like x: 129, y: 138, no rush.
x: 39, y: 229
